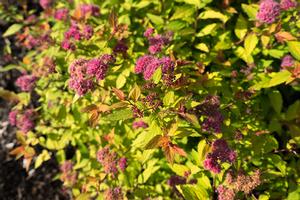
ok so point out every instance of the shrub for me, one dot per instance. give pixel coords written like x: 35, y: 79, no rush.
x: 163, y: 99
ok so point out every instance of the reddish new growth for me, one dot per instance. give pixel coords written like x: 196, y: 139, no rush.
x: 68, y: 176
x: 113, y: 194
x: 220, y: 153
x: 24, y: 120
x: 110, y: 161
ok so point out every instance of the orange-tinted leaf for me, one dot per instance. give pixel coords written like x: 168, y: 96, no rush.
x: 284, y: 36
x: 89, y: 108
x: 169, y: 153
x: 94, y: 118
x: 121, y: 104
x: 103, y: 108
x: 119, y: 93
x: 110, y: 137
x: 27, y: 163
x: 154, y: 142
x: 17, y: 150
x: 26, y: 60
x: 113, y: 20
x: 178, y: 150
x: 77, y: 14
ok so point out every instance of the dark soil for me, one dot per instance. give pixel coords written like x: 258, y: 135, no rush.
x: 15, y: 182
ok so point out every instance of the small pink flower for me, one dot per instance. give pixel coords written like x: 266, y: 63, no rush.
x: 26, y: 82
x: 61, y: 14
x: 139, y: 124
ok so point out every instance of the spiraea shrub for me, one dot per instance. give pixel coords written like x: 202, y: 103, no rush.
x: 160, y: 99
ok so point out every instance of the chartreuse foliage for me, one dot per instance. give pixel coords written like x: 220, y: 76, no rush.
x: 227, y: 75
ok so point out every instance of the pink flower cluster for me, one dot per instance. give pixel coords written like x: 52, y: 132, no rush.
x: 268, y: 12
x: 110, y: 161
x: 139, y: 124
x: 75, y: 33
x: 26, y: 82
x: 220, y: 153
x: 287, y: 61
x: 23, y: 120
x: 89, y: 9
x: 46, y: 3
x: 83, y: 71
x: 225, y: 193
x: 147, y: 65
x: 61, y: 14
x: 152, y: 100
x: 211, y: 109
x: 287, y: 4
x: 113, y: 194
x: 49, y: 65
x: 68, y: 176
x: 244, y: 183
x: 157, y: 42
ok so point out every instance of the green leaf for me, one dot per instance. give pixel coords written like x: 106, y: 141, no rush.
x: 176, y: 25
x: 277, y: 161
x: 194, y: 192
x: 183, y: 12
x: 135, y: 93
x: 293, y: 111
x: 207, y: 30
x: 241, y: 26
x: 202, y: 47
x: 279, y: 78
x: 12, y: 30
x: 44, y: 156
x: 119, y: 115
x: 276, y: 100
x: 250, y: 10
x: 84, y: 196
x: 157, y: 75
x: 250, y: 43
x: 120, y: 82
x: 294, y: 49
x: 242, y: 53
x: 169, y: 98
x: 197, y: 3
x: 158, y: 20
x: 10, y: 67
x: 203, y: 149
x: 211, y: 14
x: 149, y: 170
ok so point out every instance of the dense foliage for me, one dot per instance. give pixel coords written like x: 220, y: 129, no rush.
x: 160, y: 99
